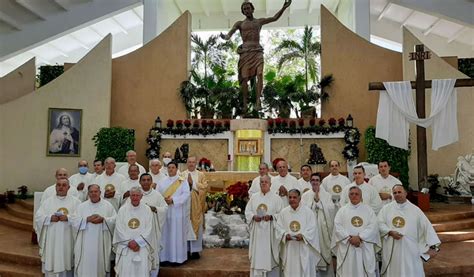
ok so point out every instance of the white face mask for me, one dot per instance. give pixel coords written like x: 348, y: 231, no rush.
x: 166, y: 161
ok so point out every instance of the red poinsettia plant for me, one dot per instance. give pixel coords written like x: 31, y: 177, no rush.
x: 218, y: 124
x: 301, y: 122
x: 204, y: 164
x: 170, y: 123
x: 321, y: 122
x: 227, y: 124
x: 332, y: 122
x: 312, y: 122
x: 196, y: 123
x: 238, y: 190
x: 271, y: 123
x: 292, y: 124
x: 341, y: 122
x: 187, y: 123
x: 179, y: 124
x: 211, y: 124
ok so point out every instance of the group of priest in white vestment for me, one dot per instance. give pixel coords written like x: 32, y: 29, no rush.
x: 335, y: 227
x: 87, y: 223
x: 297, y: 227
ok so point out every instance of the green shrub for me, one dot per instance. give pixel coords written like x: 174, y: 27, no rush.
x: 379, y: 149
x: 47, y: 73
x: 114, y: 142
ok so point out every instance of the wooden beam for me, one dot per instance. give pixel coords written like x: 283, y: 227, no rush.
x: 267, y: 7
x: 138, y: 15
x: 456, y: 35
x: 432, y: 26
x: 178, y: 6
x: 310, y: 6
x: 406, y: 19
x: 421, y: 149
x: 31, y: 8
x: 10, y: 21
x: 375, y: 86
x: 121, y: 27
x: 384, y: 11
x: 224, y: 8
x: 205, y: 8
x: 61, y: 4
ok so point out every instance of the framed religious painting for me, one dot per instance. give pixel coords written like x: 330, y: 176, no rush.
x: 64, y: 132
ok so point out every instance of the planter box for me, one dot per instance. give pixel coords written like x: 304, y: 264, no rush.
x: 422, y: 200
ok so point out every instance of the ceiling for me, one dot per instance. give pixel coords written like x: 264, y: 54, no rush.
x: 58, y: 31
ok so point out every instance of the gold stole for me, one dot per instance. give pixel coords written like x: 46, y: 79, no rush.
x: 198, y: 203
x: 172, y: 189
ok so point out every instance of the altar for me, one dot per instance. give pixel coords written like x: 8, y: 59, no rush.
x: 235, y: 151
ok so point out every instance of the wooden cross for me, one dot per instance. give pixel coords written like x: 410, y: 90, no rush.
x: 420, y: 85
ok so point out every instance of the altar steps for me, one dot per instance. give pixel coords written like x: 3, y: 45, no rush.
x: 20, y: 211
x: 9, y: 219
x: 15, y: 270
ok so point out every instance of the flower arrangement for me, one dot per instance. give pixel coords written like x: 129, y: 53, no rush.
x: 352, y: 138
x: 321, y: 122
x: 292, y: 124
x: 187, y: 123
x: 271, y: 123
x: 204, y: 129
x: 341, y: 122
x: 301, y: 122
x: 205, y: 165
x: 332, y: 122
x: 22, y: 192
x: 238, y: 195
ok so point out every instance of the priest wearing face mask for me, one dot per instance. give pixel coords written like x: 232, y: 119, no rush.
x: 167, y: 158
x: 81, y: 180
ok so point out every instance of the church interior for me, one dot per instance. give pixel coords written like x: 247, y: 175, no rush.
x: 122, y: 68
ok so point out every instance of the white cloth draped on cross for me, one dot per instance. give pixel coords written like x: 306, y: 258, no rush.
x: 396, y: 109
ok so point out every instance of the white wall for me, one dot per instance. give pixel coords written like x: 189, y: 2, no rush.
x: 23, y: 121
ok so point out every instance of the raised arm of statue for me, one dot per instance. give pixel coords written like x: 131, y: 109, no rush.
x: 232, y: 31
x: 277, y: 15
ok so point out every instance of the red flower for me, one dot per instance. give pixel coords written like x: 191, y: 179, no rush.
x: 210, y: 123
x: 179, y: 123
x: 218, y: 124
x: 227, y: 124
x: 284, y: 123
x: 312, y: 122
x: 238, y: 190
x: 203, y: 123
x: 187, y: 123
x: 169, y: 123
x: 270, y: 122
x: 321, y: 122
x: 196, y: 124
x: 301, y: 122
x: 332, y: 122
x: 292, y: 124
x: 278, y: 122
x: 341, y: 121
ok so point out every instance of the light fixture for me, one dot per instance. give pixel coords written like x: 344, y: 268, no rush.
x: 158, y: 122
x: 350, y: 121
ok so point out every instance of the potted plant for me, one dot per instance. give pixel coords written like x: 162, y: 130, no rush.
x: 3, y: 200
x: 22, y: 192
x: 11, y: 197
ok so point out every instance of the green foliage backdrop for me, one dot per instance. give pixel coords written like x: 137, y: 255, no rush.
x: 114, y: 142
x: 379, y: 149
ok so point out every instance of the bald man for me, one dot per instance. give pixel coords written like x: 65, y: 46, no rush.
x: 61, y: 173
x: 131, y: 157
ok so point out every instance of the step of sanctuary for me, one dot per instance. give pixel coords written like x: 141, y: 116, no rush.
x: 215, y: 262
x: 18, y: 257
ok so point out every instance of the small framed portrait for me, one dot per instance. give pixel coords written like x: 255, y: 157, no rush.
x: 248, y: 147
x: 64, y: 132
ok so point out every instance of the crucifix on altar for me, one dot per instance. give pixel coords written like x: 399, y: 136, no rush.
x: 420, y: 85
